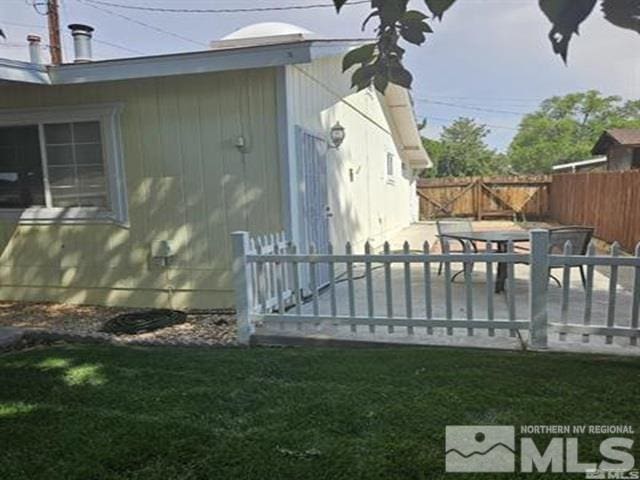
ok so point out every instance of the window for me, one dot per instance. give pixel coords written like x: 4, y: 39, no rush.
x: 389, y: 167
x: 75, y: 165
x: 635, y: 162
x: 61, y: 165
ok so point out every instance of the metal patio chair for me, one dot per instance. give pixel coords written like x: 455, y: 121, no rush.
x: 579, y: 236
x: 454, y: 225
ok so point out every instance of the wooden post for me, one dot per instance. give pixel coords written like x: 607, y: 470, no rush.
x: 538, y: 283
x: 242, y: 286
x: 478, y: 199
x: 53, y: 19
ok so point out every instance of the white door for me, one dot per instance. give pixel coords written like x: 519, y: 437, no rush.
x: 316, y: 209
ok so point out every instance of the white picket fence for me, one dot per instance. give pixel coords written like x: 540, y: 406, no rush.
x: 277, y: 285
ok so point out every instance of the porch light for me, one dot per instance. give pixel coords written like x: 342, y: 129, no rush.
x: 337, y: 135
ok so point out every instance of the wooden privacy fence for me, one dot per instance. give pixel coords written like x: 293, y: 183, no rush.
x: 608, y: 201
x: 484, y: 197
x: 281, y: 288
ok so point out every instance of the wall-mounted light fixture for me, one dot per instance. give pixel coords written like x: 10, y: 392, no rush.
x: 241, y: 144
x: 336, y: 135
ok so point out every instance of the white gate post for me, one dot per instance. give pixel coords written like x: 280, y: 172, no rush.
x: 538, y: 283
x: 242, y: 286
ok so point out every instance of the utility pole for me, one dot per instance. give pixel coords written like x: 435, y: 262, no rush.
x: 55, y: 47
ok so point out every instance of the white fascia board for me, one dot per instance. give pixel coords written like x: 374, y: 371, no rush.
x: 182, y: 64
x: 23, y: 72
x: 213, y: 60
x: 333, y: 48
x: 405, y: 127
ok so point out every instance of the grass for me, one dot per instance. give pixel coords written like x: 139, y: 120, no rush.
x: 94, y: 412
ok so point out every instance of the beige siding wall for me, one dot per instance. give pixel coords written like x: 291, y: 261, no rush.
x: 186, y: 181
x: 372, y: 206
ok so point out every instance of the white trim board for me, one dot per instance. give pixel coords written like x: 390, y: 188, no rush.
x: 109, y: 117
x: 206, y: 61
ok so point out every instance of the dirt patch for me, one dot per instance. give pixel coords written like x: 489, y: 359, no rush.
x: 210, y: 328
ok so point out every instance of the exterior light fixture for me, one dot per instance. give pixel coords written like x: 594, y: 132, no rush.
x: 241, y: 144
x: 337, y: 135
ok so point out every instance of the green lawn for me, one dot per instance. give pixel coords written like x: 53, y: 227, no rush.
x: 91, y: 412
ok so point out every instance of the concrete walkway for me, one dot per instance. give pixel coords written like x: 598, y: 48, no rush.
x: 416, y: 234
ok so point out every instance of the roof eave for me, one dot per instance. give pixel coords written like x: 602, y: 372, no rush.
x: 405, y: 127
x: 23, y: 72
x: 207, y: 61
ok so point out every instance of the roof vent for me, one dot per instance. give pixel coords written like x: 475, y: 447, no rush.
x: 81, y: 42
x: 35, y: 53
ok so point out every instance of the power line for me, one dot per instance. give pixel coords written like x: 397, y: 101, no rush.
x: 96, y: 40
x: 447, y: 120
x: 470, y: 107
x: 26, y: 25
x: 221, y: 10
x: 120, y: 47
x: 489, y: 99
x: 138, y: 22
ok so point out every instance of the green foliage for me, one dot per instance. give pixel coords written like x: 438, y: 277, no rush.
x: 566, y: 17
x: 565, y: 129
x: 462, y: 151
x: 383, y: 64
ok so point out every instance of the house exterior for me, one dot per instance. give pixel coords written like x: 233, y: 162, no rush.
x: 621, y: 146
x: 121, y: 180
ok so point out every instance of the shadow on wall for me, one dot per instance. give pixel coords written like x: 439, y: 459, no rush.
x: 113, y: 264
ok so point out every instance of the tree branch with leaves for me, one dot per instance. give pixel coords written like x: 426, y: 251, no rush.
x: 381, y: 62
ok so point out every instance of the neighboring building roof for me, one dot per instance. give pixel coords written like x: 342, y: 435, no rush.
x: 572, y: 166
x: 616, y: 136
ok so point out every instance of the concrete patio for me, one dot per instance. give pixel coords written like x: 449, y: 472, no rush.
x: 416, y: 234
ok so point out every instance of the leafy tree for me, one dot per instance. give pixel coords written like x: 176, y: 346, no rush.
x: 381, y: 63
x: 565, y: 129
x: 462, y: 151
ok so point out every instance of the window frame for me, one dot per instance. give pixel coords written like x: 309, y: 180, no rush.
x: 108, y: 115
x: 390, y: 175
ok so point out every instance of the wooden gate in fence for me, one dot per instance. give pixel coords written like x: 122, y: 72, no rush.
x: 484, y: 197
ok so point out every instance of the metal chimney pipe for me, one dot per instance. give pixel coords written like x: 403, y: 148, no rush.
x: 35, y: 48
x: 81, y: 42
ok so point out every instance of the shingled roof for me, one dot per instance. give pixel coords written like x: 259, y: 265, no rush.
x: 616, y: 136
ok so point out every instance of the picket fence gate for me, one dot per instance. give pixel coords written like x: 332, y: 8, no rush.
x: 273, y: 283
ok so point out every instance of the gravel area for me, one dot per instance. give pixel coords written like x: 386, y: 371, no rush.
x: 205, y: 328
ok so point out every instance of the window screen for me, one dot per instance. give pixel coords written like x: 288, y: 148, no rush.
x: 75, y: 164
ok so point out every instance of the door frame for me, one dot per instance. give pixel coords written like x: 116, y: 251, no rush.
x: 301, y: 193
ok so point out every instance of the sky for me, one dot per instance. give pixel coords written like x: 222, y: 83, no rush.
x: 488, y: 59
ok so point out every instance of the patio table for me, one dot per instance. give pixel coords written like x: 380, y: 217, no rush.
x: 501, y: 238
